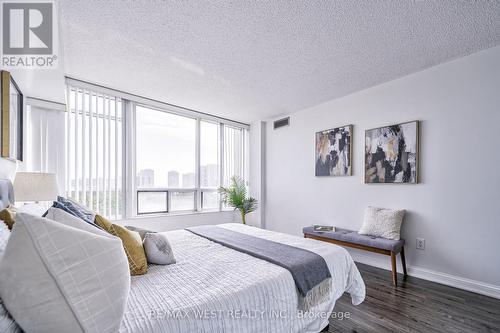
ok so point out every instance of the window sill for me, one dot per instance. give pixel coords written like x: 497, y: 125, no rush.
x: 176, y: 214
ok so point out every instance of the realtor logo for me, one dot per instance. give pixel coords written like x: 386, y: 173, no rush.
x: 28, y: 34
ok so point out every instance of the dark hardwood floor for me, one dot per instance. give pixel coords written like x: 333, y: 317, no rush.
x: 415, y: 305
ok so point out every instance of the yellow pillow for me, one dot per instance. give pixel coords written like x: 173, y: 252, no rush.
x: 132, y: 243
x: 8, y: 215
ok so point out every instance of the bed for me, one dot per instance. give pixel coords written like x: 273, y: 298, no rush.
x: 213, y: 288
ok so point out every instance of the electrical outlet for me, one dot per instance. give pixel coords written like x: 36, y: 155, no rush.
x: 420, y: 244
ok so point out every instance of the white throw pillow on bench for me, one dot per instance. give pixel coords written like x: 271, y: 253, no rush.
x: 56, y: 278
x: 382, y: 222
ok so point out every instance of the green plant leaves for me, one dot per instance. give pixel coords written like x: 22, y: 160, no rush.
x: 236, y: 196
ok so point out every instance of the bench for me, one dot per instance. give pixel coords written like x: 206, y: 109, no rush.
x: 352, y: 239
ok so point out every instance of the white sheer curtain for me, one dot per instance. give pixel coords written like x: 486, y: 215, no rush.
x: 44, y: 144
x: 235, y: 152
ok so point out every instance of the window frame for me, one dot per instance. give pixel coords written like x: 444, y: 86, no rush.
x: 197, y: 189
x: 129, y: 140
x: 210, y: 190
x: 151, y: 191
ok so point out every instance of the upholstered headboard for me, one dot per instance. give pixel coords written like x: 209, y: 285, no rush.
x: 6, y: 193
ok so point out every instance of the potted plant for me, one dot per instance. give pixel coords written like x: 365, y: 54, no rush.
x: 236, y: 196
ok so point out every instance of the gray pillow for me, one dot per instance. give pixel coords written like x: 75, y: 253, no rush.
x: 158, y: 249
x: 75, y: 208
x: 142, y: 232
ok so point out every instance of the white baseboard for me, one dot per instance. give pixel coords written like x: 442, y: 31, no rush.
x: 434, y: 276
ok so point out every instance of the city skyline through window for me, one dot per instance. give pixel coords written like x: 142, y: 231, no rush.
x: 187, y: 172
x: 165, y: 149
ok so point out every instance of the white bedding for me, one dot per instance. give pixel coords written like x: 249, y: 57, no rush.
x: 212, y: 288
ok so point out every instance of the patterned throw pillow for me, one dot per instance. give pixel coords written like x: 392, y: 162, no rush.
x: 8, y: 216
x: 132, y: 243
x: 158, y: 249
x: 382, y: 222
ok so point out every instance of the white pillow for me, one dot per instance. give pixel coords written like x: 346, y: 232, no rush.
x: 382, y: 222
x: 36, y: 209
x: 65, y: 218
x: 158, y: 249
x: 55, y: 278
x: 4, y: 237
x: 7, y: 323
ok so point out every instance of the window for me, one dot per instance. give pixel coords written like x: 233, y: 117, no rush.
x: 166, y: 159
x: 180, y: 158
x: 209, y: 154
x: 209, y: 165
x: 151, y: 201
x: 165, y: 149
x: 169, y: 159
x: 94, y: 157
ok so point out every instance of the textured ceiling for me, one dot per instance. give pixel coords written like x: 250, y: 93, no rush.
x: 250, y: 60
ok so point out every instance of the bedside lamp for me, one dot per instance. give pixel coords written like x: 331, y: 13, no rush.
x: 35, y: 186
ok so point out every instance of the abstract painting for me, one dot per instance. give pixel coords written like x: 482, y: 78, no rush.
x: 333, y: 152
x: 391, y: 154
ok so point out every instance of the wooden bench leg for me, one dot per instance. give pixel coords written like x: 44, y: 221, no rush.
x: 403, y: 261
x: 394, y: 269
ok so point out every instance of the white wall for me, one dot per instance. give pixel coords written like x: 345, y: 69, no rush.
x: 257, y: 173
x: 45, y: 84
x: 456, y: 208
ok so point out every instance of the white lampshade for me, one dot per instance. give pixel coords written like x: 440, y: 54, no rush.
x: 35, y: 186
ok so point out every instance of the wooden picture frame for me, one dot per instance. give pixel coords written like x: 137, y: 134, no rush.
x: 12, y: 112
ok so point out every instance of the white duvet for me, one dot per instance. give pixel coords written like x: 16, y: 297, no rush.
x: 212, y: 288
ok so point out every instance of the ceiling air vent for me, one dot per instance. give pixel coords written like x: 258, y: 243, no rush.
x: 282, y: 122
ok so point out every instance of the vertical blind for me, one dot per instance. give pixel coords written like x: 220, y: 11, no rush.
x: 233, y: 154
x: 94, y: 151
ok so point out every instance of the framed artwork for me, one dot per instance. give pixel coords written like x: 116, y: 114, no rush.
x: 11, y: 118
x: 391, y: 154
x: 334, y: 152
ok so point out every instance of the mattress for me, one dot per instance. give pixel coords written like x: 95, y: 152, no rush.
x: 212, y: 288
